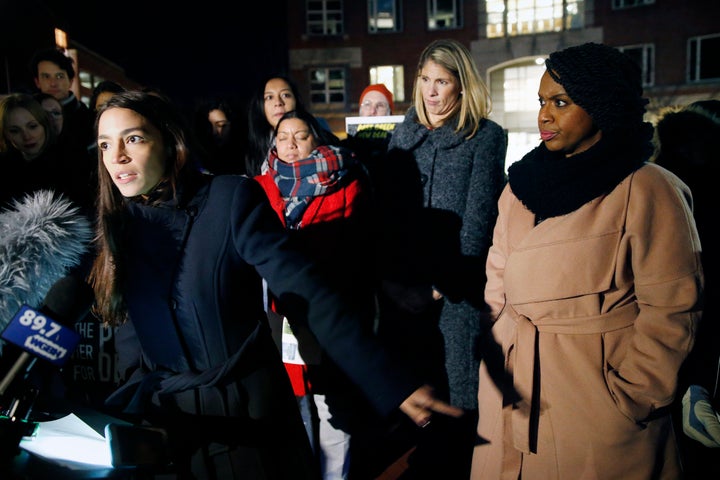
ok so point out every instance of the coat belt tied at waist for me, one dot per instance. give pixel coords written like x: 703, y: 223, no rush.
x: 526, y: 411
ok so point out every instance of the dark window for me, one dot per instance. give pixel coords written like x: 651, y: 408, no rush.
x: 327, y: 85
x: 444, y: 14
x: 704, y: 58
x: 324, y: 17
x: 644, y: 56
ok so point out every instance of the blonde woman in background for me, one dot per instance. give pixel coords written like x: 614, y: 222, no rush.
x: 443, y: 175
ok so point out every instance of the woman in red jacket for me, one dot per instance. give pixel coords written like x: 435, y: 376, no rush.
x: 320, y: 193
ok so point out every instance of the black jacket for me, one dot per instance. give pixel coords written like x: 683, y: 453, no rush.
x: 198, y: 338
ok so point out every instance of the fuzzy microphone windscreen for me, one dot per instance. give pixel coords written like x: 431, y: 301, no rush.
x: 42, y: 236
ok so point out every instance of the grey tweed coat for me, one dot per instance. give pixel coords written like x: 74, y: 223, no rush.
x: 461, y: 180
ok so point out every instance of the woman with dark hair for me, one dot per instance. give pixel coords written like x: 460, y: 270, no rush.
x: 102, y: 92
x: 320, y: 193
x: 594, y: 283
x: 217, y: 130
x: 275, y: 96
x: 180, y: 263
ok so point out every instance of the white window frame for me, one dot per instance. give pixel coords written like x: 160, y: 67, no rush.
x: 384, y: 21
x: 646, y: 60
x: 695, y: 53
x: 333, y: 90
x: 324, y: 17
x: 513, y: 87
x: 534, y: 17
x: 625, y: 4
x: 392, y: 76
x: 454, y: 17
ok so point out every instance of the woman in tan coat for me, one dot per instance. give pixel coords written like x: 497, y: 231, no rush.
x: 594, y: 282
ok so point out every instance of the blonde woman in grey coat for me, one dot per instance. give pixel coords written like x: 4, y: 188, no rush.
x: 439, y: 192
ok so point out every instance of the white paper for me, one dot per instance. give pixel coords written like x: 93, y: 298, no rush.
x: 70, y: 442
x: 290, y: 349
x: 387, y: 122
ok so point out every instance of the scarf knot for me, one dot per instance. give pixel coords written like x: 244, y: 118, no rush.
x: 321, y: 173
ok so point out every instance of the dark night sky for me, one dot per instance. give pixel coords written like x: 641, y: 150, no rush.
x: 188, y: 53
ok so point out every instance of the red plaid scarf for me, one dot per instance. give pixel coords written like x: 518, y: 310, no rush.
x: 319, y: 174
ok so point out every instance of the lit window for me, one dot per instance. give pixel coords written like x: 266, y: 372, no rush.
x: 513, y: 89
x: 383, y: 16
x: 393, y: 78
x: 85, y: 79
x: 61, y: 39
x: 525, y: 17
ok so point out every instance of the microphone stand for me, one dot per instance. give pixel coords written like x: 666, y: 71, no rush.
x: 14, y: 417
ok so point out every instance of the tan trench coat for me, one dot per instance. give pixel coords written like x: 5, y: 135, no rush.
x: 599, y: 308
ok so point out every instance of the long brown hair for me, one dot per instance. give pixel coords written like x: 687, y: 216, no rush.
x: 107, y: 271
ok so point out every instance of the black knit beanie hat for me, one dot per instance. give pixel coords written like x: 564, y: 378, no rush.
x: 603, y: 81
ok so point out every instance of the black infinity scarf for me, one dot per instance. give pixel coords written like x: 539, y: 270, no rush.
x: 550, y: 184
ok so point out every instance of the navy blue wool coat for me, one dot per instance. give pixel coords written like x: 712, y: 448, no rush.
x: 198, y: 342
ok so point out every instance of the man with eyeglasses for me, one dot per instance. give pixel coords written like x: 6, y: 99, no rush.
x: 370, y: 142
x: 376, y: 100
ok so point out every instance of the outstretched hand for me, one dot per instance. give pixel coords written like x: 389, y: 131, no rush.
x: 421, y: 404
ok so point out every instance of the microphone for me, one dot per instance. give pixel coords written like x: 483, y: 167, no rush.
x: 44, y: 332
x: 42, y: 236
x: 47, y: 332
